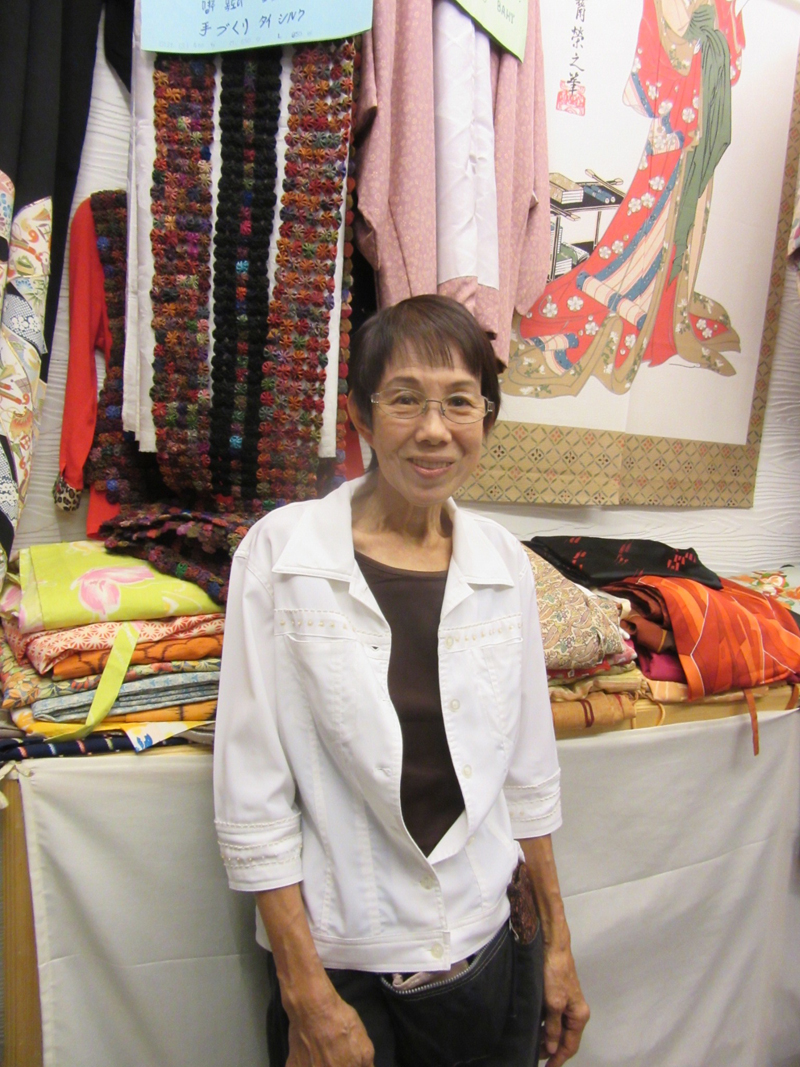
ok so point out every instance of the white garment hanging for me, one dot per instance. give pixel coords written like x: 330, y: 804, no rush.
x: 216, y: 172
x: 137, y: 411
x: 466, y: 192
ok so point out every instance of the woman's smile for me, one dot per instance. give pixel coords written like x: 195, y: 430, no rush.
x: 430, y: 466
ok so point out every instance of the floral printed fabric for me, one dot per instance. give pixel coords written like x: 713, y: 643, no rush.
x: 23, y: 293
x: 579, y: 628
x: 783, y: 583
x: 76, y: 583
x: 22, y: 685
x: 610, y: 665
x: 46, y: 650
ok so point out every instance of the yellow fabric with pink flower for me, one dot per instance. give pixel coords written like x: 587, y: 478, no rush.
x: 79, y: 582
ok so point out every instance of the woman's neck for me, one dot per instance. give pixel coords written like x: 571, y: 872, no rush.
x: 387, y: 528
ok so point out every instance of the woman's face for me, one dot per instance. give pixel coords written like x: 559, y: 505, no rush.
x: 427, y: 458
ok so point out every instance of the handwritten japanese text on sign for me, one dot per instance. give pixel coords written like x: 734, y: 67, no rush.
x: 505, y: 20
x: 226, y: 25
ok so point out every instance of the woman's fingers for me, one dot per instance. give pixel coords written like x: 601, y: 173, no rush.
x: 566, y: 1010
x: 336, y: 1040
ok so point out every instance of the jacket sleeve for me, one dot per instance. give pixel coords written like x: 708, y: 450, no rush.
x: 532, y: 788
x: 257, y: 819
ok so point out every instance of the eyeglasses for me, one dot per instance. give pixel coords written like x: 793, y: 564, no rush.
x: 408, y: 404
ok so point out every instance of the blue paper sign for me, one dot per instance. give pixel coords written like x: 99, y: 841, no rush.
x: 225, y: 25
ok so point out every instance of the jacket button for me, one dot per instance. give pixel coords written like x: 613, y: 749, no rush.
x: 427, y: 881
x: 437, y: 951
x: 455, y: 705
x: 466, y: 770
x: 448, y: 642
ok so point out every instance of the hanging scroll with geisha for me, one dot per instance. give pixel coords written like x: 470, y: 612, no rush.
x: 639, y: 375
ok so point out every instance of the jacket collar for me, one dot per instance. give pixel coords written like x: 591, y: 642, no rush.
x: 321, y: 545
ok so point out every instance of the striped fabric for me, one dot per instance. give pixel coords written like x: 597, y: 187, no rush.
x: 732, y: 638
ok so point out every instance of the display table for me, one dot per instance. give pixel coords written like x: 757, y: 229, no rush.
x: 678, y: 861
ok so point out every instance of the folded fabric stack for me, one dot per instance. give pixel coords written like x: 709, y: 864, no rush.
x: 709, y: 644
x: 103, y: 652
x: 591, y: 670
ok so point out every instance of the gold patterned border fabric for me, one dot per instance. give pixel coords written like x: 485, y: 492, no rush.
x: 530, y: 463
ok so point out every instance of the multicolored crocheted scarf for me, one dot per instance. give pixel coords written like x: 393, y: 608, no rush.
x: 296, y: 355
x: 112, y: 467
x: 181, y: 243
x: 194, y: 545
x: 249, y: 113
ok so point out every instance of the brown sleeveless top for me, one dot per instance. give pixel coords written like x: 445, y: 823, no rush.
x: 411, y: 602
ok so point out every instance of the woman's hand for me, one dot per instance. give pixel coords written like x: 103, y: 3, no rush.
x: 328, y: 1035
x: 324, y: 1031
x: 565, y: 1009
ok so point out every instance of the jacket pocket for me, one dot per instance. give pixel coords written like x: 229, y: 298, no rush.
x: 317, y: 662
x: 502, y: 662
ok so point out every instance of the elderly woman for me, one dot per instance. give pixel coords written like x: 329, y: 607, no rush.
x: 386, y: 778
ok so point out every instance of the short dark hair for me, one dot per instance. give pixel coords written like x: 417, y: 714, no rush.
x: 431, y: 327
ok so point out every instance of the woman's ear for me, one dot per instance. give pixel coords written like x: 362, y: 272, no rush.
x: 358, y: 420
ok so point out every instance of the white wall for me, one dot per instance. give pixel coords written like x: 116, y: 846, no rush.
x: 727, y: 540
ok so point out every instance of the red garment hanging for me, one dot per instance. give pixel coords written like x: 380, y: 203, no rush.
x: 88, y: 332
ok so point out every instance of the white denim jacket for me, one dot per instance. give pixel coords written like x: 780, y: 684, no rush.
x: 308, y: 748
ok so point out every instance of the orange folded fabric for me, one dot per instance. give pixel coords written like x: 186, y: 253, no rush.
x: 81, y: 664
x: 729, y: 638
x: 202, y: 711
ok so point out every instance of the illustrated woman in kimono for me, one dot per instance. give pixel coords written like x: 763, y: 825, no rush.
x: 634, y: 298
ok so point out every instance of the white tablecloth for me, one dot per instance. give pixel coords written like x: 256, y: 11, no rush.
x: 678, y: 862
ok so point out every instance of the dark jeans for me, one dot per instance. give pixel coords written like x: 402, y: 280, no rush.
x: 519, y: 1036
